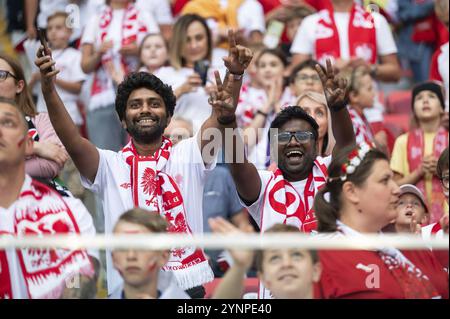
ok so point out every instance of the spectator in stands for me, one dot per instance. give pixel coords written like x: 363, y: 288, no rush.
x: 109, y: 56
x: 288, y: 273
x: 304, y: 77
x: 300, y: 172
x: 178, y: 129
x: 412, y: 210
x: 32, y: 208
x: 71, y: 78
x: 191, y: 43
x: 351, y: 36
x: 142, y: 270
x: 360, y: 197
x: 259, y: 105
x: 439, y: 63
x: 160, y: 10
x: 245, y: 15
x: 416, y: 36
x: 415, y: 154
x: 315, y: 105
x: 49, y: 155
x: 441, y: 227
x: 361, y: 97
x: 153, y: 53
x: 145, y: 106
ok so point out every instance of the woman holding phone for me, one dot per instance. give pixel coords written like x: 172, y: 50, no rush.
x: 191, y: 51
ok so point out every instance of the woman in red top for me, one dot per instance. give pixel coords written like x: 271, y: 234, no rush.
x: 360, y: 197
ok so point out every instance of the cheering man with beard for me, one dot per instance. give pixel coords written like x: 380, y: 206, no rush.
x: 149, y: 172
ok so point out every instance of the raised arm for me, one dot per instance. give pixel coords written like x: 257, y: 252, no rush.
x: 224, y: 102
x: 336, y: 93
x: 83, y: 153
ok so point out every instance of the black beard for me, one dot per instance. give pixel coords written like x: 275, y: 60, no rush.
x: 143, y: 136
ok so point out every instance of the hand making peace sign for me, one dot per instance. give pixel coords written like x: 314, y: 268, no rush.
x: 335, y: 89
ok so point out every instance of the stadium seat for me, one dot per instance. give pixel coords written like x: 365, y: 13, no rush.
x: 399, y: 102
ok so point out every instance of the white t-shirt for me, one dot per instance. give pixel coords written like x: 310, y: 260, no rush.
x: 305, y: 38
x: 192, y: 106
x: 185, y: 165
x: 256, y: 208
x: 159, y: 9
x: 68, y: 62
x: 82, y: 217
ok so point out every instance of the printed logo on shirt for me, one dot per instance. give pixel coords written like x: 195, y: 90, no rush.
x: 125, y: 185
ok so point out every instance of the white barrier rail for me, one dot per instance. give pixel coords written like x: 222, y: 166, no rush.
x: 217, y: 241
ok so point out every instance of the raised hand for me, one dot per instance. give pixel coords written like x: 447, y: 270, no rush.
x: 335, y: 88
x: 222, y: 101
x: 242, y: 258
x: 239, y: 57
x: 45, y: 64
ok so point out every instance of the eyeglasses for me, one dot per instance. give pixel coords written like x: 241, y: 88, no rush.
x: 305, y: 78
x: 301, y: 136
x: 4, y: 75
x: 444, y: 181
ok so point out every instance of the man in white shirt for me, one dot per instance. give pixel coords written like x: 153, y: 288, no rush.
x: 286, y: 195
x: 28, y: 207
x: 148, y: 172
x: 380, y: 57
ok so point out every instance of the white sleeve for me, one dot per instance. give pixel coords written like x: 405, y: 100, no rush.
x: 84, y: 221
x: 251, y: 17
x: 255, y: 208
x: 162, y: 12
x: 385, y: 40
x: 90, y: 31
x: 100, y: 179
x: 304, y: 40
x: 149, y: 21
x: 76, y: 73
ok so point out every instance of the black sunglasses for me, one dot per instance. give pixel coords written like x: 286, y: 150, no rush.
x: 4, y: 75
x: 301, y: 136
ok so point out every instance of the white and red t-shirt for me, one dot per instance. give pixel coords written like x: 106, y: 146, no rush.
x: 439, y: 69
x: 310, y: 30
x: 83, y: 220
x: 112, y: 184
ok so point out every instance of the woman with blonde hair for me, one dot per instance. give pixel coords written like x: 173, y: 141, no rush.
x: 315, y: 104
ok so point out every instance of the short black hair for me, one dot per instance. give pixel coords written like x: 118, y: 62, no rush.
x: 138, y: 80
x: 307, y: 64
x: 293, y: 113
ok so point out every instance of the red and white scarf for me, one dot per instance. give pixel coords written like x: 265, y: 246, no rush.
x: 415, y: 154
x: 102, y: 90
x: 361, y: 36
x: 361, y: 127
x: 155, y: 190
x: 284, y: 205
x: 40, y: 210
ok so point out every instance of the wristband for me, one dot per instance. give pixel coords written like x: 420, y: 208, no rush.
x: 339, y: 106
x: 227, y: 121
x: 262, y: 113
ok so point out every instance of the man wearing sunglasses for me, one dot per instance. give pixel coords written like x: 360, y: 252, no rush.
x: 286, y: 194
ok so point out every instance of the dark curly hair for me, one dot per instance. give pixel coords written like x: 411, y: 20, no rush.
x: 138, y: 80
x: 293, y: 113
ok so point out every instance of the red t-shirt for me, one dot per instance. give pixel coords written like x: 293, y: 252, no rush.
x: 348, y: 275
